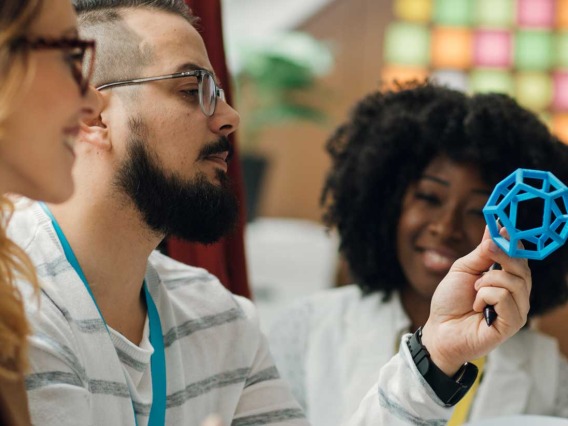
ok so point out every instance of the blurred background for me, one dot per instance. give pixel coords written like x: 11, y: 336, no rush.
x: 297, y: 67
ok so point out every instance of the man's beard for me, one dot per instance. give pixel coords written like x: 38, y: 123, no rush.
x: 195, y: 210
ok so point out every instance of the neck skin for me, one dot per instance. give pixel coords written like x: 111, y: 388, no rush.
x: 13, y: 183
x: 416, y: 306
x: 112, y: 244
x: 5, y: 181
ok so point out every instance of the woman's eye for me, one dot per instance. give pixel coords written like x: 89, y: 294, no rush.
x: 429, y: 198
x: 74, y: 57
x: 476, y: 212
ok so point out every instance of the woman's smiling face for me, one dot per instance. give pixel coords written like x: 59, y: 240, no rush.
x: 441, y: 220
x: 37, y: 150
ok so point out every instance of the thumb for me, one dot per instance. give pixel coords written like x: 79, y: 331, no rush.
x: 479, y: 260
x: 486, y: 234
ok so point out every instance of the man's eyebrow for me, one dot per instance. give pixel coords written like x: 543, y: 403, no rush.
x: 190, y: 66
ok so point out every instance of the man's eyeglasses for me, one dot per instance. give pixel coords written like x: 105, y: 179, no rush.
x: 80, y: 55
x: 207, y: 88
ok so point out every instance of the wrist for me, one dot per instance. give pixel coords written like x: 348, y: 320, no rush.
x: 449, y: 389
x: 448, y: 365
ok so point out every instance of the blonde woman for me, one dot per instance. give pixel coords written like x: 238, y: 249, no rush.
x: 44, y: 93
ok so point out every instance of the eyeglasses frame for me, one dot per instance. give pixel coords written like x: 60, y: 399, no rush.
x: 219, y: 93
x: 42, y: 43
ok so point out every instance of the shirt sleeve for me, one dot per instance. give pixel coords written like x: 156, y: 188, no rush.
x: 288, y: 338
x: 266, y: 398
x: 561, y: 409
x: 401, y: 397
x: 58, y: 390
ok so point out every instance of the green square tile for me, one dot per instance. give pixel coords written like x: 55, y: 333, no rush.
x: 534, y: 50
x: 534, y: 90
x: 453, y: 12
x: 407, y: 44
x: 495, y: 13
x: 490, y: 80
x: 561, y: 50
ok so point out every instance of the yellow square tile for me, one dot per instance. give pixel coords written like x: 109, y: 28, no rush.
x: 413, y: 10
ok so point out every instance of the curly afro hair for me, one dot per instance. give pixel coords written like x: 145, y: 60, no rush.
x: 388, y: 141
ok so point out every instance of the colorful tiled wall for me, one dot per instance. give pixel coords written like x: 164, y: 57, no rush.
x: 519, y: 47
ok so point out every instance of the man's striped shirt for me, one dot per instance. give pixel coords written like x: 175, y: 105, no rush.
x: 217, y: 359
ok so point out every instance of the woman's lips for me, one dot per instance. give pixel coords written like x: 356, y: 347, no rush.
x: 437, y: 261
x: 71, y: 131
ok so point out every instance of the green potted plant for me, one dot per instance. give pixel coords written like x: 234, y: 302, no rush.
x: 274, y: 81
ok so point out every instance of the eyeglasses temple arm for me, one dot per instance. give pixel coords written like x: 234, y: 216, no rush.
x: 146, y: 80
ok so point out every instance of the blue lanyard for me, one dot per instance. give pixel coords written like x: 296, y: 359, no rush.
x: 158, y: 359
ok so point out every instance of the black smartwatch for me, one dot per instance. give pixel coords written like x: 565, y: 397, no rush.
x: 449, y: 389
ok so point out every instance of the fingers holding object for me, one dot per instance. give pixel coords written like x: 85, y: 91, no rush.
x: 513, y: 265
x: 508, y: 310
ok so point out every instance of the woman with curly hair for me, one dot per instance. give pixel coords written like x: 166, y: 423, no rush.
x: 412, y: 170
x: 44, y: 92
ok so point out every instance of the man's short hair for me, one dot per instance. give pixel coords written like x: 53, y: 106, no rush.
x: 120, y: 55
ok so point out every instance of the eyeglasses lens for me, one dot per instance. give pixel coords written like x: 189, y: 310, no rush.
x: 84, y: 68
x: 208, y: 94
x: 82, y: 60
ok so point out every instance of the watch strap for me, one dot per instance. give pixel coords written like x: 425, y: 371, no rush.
x: 449, y: 389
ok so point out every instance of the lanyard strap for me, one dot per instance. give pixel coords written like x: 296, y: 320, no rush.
x: 158, y: 359
x: 158, y: 364
x: 463, y: 408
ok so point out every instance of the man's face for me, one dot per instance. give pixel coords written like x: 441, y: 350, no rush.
x: 177, y: 129
x: 196, y: 209
x: 180, y: 150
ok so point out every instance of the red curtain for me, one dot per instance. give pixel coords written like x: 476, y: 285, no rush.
x: 225, y: 259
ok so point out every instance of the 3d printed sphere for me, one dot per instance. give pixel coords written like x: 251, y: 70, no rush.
x: 524, y: 189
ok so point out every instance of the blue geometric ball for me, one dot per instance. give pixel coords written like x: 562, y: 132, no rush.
x: 521, y: 189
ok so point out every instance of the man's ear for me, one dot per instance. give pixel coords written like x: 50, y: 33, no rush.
x: 95, y: 132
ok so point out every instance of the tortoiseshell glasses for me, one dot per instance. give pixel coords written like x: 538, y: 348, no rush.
x: 80, y: 55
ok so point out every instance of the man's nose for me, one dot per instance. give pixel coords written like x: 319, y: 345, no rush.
x: 225, y: 120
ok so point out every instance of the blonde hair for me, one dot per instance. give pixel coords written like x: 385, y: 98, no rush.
x: 14, y: 329
x: 16, y: 17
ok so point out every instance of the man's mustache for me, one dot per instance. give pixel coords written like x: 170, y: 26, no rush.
x: 221, y: 145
